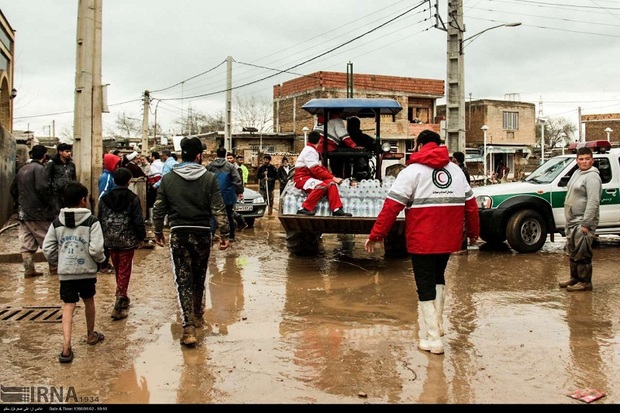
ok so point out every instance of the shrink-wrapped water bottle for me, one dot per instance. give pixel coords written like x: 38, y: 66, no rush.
x: 289, y: 203
x: 323, y: 208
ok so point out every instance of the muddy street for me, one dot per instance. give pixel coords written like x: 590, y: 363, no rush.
x: 341, y: 328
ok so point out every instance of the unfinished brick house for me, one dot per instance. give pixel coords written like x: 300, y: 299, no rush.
x: 417, y: 97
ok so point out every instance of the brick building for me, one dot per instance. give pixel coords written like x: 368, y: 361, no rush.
x: 595, y: 126
x: 511, y: 134
x: 417, y: 97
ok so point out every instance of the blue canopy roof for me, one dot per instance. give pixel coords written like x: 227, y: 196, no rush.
x: 353, y: 107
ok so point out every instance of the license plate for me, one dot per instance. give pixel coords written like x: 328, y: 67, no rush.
x: 244, y: 207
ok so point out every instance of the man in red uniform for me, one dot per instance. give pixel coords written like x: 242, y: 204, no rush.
x: 312, y: 177
x: 438, y: 200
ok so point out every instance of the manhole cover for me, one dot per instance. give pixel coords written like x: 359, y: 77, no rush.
x: 39, y: 314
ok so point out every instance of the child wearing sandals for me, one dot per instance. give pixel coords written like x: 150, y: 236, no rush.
x: 74, y: 242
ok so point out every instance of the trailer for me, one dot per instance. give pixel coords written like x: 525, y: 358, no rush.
x: 304, y: 233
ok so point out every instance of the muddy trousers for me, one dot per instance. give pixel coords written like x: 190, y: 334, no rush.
x: 581, y: 270
x: 28, y: 261
x: 315, y: 195
x: 122, y: 260
x: 190, y: 256
x: 579, y: 250
x: 230, y: 214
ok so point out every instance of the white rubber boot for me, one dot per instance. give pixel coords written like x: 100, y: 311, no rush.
x: 439, y: 302
x: 432, y: 342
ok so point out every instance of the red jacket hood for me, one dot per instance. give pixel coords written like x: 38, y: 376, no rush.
x: 110, y: 162
x: 431, y: 155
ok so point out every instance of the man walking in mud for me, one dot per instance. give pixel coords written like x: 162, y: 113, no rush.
x: 190, y: 196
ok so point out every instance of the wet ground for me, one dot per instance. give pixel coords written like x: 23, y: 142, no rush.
x: 333, y: 329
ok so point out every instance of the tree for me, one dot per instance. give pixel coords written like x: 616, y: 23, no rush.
x: 196, y: 122
x: 66, y: 135
x: 253, y: 111
x: 556, y: 130
x: 126, y: 127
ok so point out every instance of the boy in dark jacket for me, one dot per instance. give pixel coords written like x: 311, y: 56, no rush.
x: 60, y: 171
x: 230, y: 184
x: 74, y: 243
x: 122, y: 221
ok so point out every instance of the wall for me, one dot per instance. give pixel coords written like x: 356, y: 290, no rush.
x: 8, y: 147
x: 289, y: 97
x: 595, y: 126
x: 490, y: 112
x: 8, y: 154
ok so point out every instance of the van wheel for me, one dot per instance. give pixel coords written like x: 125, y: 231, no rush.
x: 526, y: 231
x: 307, y: 244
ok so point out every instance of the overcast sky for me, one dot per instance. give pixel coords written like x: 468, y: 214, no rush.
x: 566, y: 53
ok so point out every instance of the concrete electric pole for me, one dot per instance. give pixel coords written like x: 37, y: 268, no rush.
x: 145, y: 123
x: 455, y: 99
x: 87, y: 124
x: 228, y: 124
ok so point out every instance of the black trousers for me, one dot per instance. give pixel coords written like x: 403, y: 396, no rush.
x: 428, y: 271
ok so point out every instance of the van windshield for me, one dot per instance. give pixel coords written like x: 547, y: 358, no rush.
x: 547, y: 172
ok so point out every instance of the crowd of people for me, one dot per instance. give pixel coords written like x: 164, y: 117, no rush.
x: 78, y: 243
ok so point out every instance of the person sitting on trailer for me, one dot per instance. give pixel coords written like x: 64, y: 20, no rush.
x: 337, y: 137
x: 316, y: 180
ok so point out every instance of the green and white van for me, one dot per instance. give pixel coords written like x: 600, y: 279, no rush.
x: 524, y: 213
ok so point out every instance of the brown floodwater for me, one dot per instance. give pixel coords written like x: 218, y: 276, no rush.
x: 340, y: 328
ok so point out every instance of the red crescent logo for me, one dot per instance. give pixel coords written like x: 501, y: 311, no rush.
x: 442, y: 178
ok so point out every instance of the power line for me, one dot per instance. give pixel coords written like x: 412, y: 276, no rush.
x: 306, y: 61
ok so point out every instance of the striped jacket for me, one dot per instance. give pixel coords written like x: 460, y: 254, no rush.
x: 437, y: 199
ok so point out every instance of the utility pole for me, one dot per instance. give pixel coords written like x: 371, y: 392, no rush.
x: 155, y: 126
x: 145, y: 123
x: 455, y: 100
x: 350, y: 80
x: 87, y: 125
x: 228, y: 122
x: 579, y: 123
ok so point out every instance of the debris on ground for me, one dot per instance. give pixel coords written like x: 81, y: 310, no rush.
x: 587, y: 395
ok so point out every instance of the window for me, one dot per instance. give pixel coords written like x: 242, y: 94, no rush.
x: 511, y: 120
x: 604, y: 169
x: 393, y: 145
x: 266, y: 149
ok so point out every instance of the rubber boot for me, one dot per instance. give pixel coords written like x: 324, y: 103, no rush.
x: 125, y: 301
x: 432, y: 342
x: 118, y: 313
x: 574, y: 275
x: 189, y: 336
x: 150, y: 220
x: 439, y: 302
x: 29, y: 269
x: 584, y: 271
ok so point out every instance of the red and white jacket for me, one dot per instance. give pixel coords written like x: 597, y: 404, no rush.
x: 437, y: 199
x: 336, y: 134
x: 309, y: 171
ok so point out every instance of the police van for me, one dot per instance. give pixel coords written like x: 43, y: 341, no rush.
x: 524, y: 213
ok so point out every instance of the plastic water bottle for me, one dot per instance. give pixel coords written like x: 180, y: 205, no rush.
x: 289, y: 204
x: 323, y: 208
